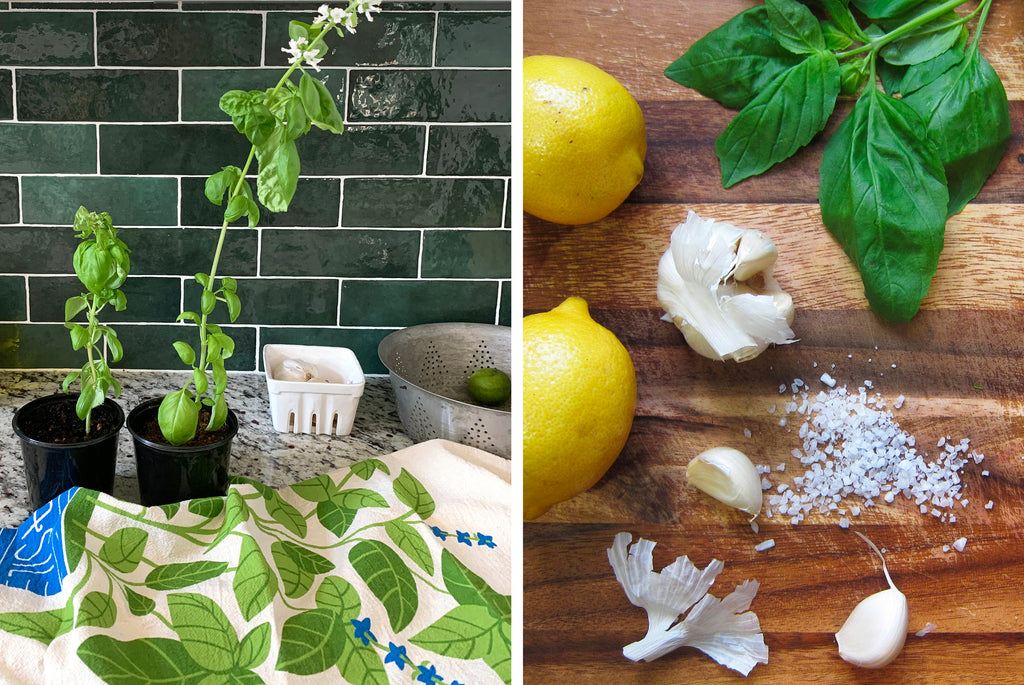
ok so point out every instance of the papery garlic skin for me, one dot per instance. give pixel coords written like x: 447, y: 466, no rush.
x: 724, y: 629
x: 729, y: 476
x: 715, y: 284
x: 875, y: 631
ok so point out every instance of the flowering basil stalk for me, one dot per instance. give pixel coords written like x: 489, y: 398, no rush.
x: 271, y: 121
x: 101, y: 264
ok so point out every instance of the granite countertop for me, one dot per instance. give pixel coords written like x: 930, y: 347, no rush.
x: 258, y: 451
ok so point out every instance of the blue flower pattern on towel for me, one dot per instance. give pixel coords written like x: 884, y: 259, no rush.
x: 32, y: 555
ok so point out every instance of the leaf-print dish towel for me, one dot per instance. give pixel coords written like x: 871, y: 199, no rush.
x: 393, y: 570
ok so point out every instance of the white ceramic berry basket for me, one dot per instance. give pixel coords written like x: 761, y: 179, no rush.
x: 327, y: 403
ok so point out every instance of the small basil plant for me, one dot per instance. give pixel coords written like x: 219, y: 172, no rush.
x: 101, y: 264
x: 272, y: 121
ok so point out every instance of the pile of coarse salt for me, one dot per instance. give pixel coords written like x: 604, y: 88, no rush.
x: 854, y: 448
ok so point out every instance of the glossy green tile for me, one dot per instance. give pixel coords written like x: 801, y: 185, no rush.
x: 12, y: 299
x: 347, y: 253
x: 149, y: 299
x: 8, y: 200
x: 470, y: 151
x: 170, y: 148
x: 474, y: 39
x: 386, y: 149
x: 6, y: 94
x: 362, y: 341
x: 391, y: 39
x: 178, y: 39
x: 97, y: 95
x: 46, y: 39
x: 279, y: 301
x: 36, y: 346
x: 201, y: 89
x: 458, y: 5
x: 505, y: 304
x: 315, y: 203
x: 184, y: 251
x: 467, y: 254
x: 97, y: 4
x: 406, y: 303
x: 130, y: 201
x: 445, y: 95
x: 37, y: 249
x: 47, y: 148
x: 148, y: 346
x: 423, y: 202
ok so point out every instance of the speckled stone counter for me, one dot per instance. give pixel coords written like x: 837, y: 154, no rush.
x: 258, y: 451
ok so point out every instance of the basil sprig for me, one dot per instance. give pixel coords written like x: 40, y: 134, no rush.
x: 101, y: 263
x: 930, y: 124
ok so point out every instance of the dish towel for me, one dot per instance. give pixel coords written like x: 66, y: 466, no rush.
x: 393, y: 570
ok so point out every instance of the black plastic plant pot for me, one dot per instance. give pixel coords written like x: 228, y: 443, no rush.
x: 56, y: 463
x: 169, y: 473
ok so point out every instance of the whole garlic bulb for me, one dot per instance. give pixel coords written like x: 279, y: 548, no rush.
x: 715, y: 285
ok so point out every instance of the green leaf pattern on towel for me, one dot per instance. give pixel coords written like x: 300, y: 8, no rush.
x: 392, y: 550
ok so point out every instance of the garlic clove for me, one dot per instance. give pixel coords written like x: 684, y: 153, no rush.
x: 729, y: 476
x: 874, y: 632
x: 876, y: 629
x: 294, y: 370
x: 755, y: 253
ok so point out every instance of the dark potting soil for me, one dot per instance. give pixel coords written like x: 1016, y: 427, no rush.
x: 57, y: 422
x: 150, y: 430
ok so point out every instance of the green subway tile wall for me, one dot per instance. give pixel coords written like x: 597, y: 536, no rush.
x: 402, y: 220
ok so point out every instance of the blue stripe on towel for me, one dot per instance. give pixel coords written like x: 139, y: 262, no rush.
x: 32, y: 555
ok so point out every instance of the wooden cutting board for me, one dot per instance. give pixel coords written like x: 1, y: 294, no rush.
x: 958, y: 363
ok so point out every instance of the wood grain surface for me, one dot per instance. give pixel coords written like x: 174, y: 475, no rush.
x: 959, y: 363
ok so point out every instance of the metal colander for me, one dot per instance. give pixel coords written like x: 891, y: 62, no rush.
x: 430, y: 365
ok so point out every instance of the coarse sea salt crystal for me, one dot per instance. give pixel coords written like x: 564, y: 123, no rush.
x: 766, y: 545
x: 853, y: 447
x: 959, y: 544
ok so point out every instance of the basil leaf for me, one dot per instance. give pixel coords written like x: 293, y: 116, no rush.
x: 920, y: 75
x: 968, y: 118
x: 844, y: 20
x: 881, y: 9
x: 735, y: 62
x: 795, y: 27
x: 279, y: 172
x: 220, y: 183
x: 178, y: 416
x: 926, y: 42
x: 883, y: 197
x: 780, y: 120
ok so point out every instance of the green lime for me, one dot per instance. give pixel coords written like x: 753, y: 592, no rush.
x: 490, y: 386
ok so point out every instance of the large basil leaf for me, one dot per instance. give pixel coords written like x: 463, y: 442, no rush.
x: 780, y: 120
x: 883, y: 196
x: 795, y: 27
x: 968, y: 118
x: 735, y: 62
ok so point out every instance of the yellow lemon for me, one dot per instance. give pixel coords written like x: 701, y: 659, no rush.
x: 584, y: 140
x: 579, y: 396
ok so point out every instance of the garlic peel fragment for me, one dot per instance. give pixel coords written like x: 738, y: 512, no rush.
x: 723, y: 629
x: 875, y: 631
x: 715, y: 285
x: 729, y: 476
